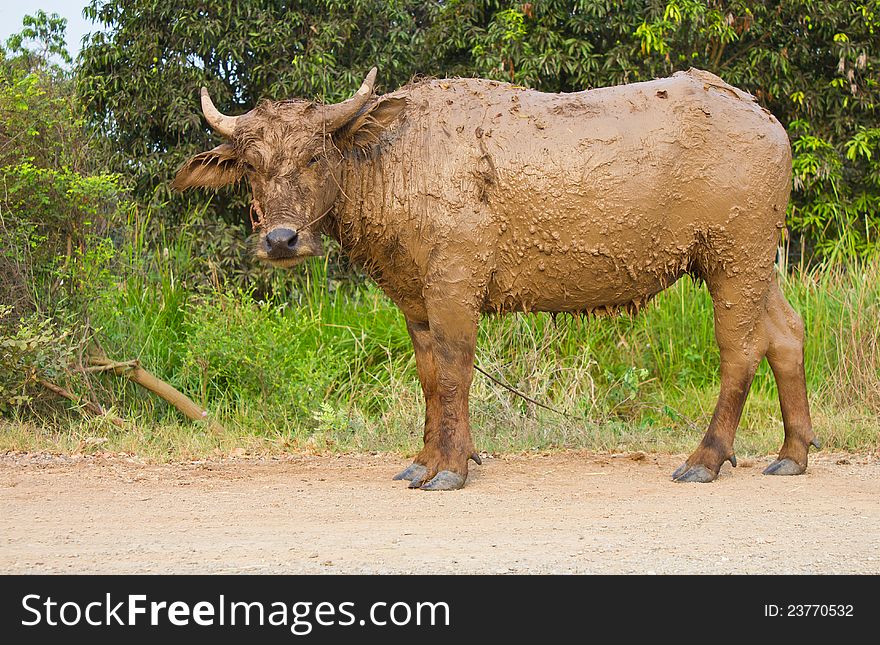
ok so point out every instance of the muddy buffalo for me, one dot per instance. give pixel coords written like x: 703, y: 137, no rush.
x: 466, y: 196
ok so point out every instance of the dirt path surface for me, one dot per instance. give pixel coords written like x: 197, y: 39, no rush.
x: 578, y: 513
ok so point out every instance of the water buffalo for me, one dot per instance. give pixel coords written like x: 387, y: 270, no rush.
x: 466, y: 196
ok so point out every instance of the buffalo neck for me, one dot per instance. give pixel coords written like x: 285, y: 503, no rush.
x: 357, y: 219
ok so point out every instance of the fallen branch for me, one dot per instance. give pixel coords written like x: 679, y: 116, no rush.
x: 84, y: 404
x: 525, y: 397
x: 110, y: 366
x: 134, y: 372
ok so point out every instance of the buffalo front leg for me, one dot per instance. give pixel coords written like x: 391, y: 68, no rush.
x: 420, y: 334
x: 418, y: 472
x: 448, y: 442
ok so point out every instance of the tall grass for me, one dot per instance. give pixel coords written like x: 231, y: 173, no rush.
x: 329, y: 365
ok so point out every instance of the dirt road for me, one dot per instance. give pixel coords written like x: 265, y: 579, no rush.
x: 577, y: 513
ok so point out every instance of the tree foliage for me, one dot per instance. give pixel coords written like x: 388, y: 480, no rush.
x: 45, y: 30
x: 813, y: 63
x: 54, y: 199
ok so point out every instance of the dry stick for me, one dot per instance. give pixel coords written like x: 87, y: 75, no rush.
x: 134, y: 372
x: 87, y: 405
x: 110, y: 366
x: 565, y: 414
x: 523, y: 396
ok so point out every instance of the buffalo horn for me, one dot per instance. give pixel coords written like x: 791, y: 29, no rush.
x: 337, y: 115
x: 219, y: 122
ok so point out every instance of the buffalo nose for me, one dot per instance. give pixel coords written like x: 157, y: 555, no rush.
x: 280, y: 242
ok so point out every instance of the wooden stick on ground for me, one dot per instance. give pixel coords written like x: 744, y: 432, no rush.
x: 94, y: 409
x: 110, y: 366
x: 134, y: 372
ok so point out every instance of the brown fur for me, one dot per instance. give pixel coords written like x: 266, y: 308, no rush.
x: 462, y: 197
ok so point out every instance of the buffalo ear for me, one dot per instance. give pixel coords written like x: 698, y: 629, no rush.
x: 210, y: 169
x: 363, y: 130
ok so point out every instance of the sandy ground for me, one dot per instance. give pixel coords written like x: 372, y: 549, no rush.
x: 564, y: 513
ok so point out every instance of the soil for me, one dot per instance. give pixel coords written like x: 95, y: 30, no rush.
x: 559, y: 513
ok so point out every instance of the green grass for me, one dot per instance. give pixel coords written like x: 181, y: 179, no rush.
x: 328, y: 366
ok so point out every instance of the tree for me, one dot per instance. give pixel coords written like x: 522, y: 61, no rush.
x: 48, y: 32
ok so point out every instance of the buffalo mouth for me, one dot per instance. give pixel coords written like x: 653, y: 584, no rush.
x: 286, y: 263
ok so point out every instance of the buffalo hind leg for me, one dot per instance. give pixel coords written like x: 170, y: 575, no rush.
x: 785, y: 332
x: 420, y: 334
x: 738, y: 323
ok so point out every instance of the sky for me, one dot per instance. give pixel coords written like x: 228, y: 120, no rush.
x: 12, y: 11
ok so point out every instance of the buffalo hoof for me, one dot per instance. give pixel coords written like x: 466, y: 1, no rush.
x: 784, y: 467
x: 444, y: 480
x: 687, y: 474
x: 412, y: 472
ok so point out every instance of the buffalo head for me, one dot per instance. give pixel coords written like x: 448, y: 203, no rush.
x: 291, y: 153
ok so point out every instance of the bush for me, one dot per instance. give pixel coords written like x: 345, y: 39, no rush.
x: 29, y: 350
x: 55, y: 218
